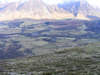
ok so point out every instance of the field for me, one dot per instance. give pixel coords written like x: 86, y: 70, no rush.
x: 28, y: 37
x: 50, y: 47
x: 74, y: 61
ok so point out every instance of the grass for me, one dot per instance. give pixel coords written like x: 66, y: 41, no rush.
x: 58, y: 63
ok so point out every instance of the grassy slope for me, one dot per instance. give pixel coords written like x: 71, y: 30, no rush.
x: 74, y: 61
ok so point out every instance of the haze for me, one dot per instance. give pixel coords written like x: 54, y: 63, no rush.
x: 95, y: 3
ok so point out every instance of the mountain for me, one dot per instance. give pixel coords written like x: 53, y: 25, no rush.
x: 37, y: 9
x: 81, y: 9
x: 49, y: 46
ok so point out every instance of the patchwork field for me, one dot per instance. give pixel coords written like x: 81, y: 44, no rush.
x: 27, y: 37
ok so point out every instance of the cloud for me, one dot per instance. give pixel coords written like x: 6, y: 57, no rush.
x: 5, y: 1
x: 53, y: 1
x: 95, y: 3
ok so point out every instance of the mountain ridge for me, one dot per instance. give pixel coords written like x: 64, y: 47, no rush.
x: 37, y: 9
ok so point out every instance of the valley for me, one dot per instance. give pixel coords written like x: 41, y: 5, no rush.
x: 27, y: 37
x: 49, y: 37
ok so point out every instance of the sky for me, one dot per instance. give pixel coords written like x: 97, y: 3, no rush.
x: 96, y: 3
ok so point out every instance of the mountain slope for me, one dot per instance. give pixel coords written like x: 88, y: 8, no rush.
x: 27, y: 37
x: 37, y: 9
x: 81, y: 9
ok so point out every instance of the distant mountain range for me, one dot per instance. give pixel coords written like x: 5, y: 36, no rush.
x: 37, y: 9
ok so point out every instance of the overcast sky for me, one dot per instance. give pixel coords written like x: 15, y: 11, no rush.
x: 93, y: 2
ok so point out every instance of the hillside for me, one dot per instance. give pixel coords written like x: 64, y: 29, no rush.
x: 37, y: 38
x: 27, y: 37
x: 81, y: 9
x: 37, y: 9
x: 74, y: 61
x: 34, y: 9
